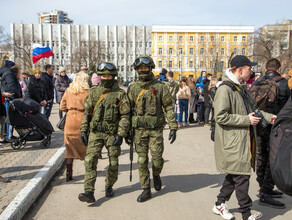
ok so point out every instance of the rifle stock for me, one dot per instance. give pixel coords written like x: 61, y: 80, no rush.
x: 131, y: 151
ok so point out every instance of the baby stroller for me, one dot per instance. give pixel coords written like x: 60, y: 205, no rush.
x: 30, y: 124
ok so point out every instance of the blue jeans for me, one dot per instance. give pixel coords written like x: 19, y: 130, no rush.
x: 47, y: 109
x: 183, y: 107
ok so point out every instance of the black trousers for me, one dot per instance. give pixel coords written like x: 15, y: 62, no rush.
x: 208, y: 108
x: 239, y: 183
x: 202, y: 112
x: 264, y: 176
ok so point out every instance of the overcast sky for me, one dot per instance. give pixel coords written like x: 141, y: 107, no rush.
x: 151, y: 12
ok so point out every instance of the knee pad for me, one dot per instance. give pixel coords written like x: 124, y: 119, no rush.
x: 157, y: 162
x: 142, y: 159
x: 113, y: 162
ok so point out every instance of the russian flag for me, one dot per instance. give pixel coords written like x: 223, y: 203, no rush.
x: 39, y: 52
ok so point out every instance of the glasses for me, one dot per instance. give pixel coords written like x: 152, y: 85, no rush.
x: 109, y: 66
x: 141, y: 60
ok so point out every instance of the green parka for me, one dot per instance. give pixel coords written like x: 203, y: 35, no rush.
x: 234, y: 149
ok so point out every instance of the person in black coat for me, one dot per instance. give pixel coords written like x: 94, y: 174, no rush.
x: 208, y: 106
x: 36, y: 88
x: 9, y: 81
x: 47, y: 79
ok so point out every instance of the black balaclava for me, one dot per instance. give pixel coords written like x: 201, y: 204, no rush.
x: 145, y: 75
x: 107, y: 83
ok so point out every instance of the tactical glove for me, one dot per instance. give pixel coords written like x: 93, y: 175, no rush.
x: 84, y: 138
x: 172, y: 136
x: 118, y: 140
x: 129, y: 138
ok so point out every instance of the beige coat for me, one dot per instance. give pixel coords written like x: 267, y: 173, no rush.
x: 184, y: 93
x: 73, y: 105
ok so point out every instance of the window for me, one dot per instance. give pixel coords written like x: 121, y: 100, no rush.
x: 202, y: 38
x: 150, y: 44
x: 212, y: 38
x: 113, y: 44
x: 235, y: 50
x: 179, y: 64
x: 191, y: 64
x: 191, y: 50
x: 243, y: 38
x: 57, y: 56
x: 122, y: 68
x: 118, y: 44
x: 222, y: 51
x: 170, y: 38
x: 180, y: 51
x: 191, y: 38
x: 170, y: 63
x: 160, y: 50
x: 160, y: 38
x: 53, y: 43
x: 67, y: 56
x: 181, y: 39
x: 113, y: 56
x: 235, y: 38
x: 160, y: 63
x: 140, y: 44
x: 201, y: 51
x: 131, y: 44
x: 243, y: 51
x: 122, y: 44
x: 48, y: 43
x: 122, y: 56
x: 202, y: 64
x: 222, y: 38
x: 62, y: 55
x: 211, y: 64
x: 57, y: 43
x: 146, y: 44
x: 170, y: 50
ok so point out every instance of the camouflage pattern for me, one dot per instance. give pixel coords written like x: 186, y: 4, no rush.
x: 148, y: 120
x: 111, y: 117
x: 173, y: 87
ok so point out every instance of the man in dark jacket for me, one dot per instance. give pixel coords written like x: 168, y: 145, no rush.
x: 208, y: 105
x: 264, y: 176
x: 9, y: 81
x: 47, y: 78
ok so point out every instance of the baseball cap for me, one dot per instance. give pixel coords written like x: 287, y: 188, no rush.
x: 240, y: 60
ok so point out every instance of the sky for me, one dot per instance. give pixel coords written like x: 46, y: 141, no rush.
x: 151, y: 12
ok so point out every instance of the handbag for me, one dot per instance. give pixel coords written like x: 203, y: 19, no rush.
x: 61, y: 123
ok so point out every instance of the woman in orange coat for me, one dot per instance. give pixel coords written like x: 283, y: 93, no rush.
x: 72, y: 104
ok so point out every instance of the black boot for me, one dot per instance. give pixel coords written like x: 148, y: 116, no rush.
x: 157, y: 183
x: 273, y: 193
x: 145, y: 195
x: 69, y: 172
x: 86, y: 197
x: 267, y: 200
x: 109, y: 192
x: 191, y: 118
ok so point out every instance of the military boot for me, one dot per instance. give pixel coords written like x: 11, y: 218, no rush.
x: 267, y: 200
x: 109, y: 192
x: 157, y: 183
x: 146, y: 194
x: 88, y: 197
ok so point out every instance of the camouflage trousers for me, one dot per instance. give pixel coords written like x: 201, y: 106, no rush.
x: 95, y: 144
x: 145, y: 139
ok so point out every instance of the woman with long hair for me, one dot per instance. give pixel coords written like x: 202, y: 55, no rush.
x: 72, y: 103
x: 193, y: 89
x: 212, y: 92
x: 184, y: 97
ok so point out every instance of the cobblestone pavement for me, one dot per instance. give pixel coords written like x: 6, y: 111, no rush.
x: 23, y: 164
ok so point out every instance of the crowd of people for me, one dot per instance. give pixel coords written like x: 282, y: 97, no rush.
x: 101, y: 114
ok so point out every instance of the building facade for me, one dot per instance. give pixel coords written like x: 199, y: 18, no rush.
x: 77, y: 45
x: 188, y: 50
x: 54, y: 17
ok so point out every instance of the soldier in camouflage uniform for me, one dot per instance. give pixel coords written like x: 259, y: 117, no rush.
x: 107, y: 120
x: 149, y: 98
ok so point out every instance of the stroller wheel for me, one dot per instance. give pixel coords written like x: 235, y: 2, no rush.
x: 15, y: 143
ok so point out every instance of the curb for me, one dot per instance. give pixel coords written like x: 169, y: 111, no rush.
x: 18, y: 207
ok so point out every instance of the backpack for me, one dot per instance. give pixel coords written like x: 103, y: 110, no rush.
x: 281, y: 149
x: 265, y: 92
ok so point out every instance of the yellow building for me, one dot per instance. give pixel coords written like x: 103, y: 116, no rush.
x: 188, y: 50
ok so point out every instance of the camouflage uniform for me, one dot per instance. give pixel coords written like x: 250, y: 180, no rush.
x: 110, y: 118
x: 173, y: 87
x: 148, y: 120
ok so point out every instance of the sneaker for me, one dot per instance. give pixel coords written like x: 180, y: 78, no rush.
x: 223, y: 211
x: 187, y: 124
x: 180, y: 125
x: 207, y: 125
x: 255, y: 216
x: 267, y: 200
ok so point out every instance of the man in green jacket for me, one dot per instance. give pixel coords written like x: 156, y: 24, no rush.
x: 235, y: 137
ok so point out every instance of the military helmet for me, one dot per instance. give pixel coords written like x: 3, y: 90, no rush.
x: 143, y: 61
x: 107, y: 68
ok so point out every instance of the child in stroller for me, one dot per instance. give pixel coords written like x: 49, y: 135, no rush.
x: 30, y: 124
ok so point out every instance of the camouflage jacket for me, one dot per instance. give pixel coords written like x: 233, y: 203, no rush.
x: 148, y: 108
x: 173, y: 87
x: 110, y: 115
